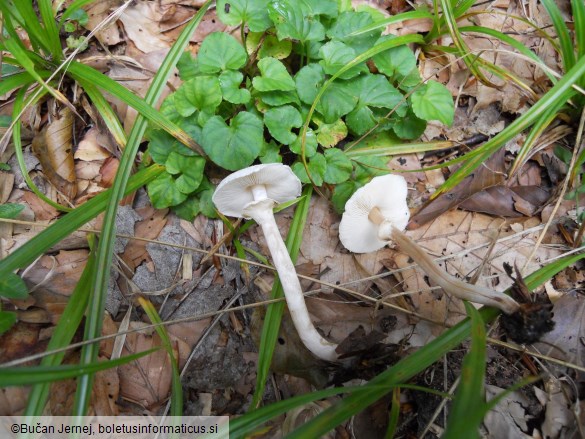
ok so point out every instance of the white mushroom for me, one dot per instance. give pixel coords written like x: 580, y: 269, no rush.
x: 252, y: 193
x: 377, y: 213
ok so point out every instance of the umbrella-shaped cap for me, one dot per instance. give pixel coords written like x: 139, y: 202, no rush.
x: 235, y: 191
x: 388, y: 193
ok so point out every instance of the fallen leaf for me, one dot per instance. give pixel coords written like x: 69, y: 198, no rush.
x: 13, y: 400
x: 42, y: 210
x: 53, y: 146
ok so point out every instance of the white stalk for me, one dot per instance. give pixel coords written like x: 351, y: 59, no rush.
x: 451, y: 285
x: 261, y: 212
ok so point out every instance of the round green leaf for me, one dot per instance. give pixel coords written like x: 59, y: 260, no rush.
x: 163, y: 192
x: 230, y: 87
x: 201, y: 93
x: 336, y: 55
x: 189, y: 169
x: 10, y: 210
x: 409, y: 127
x: 349, y: 22
x: 339, y: 167
x: 274, y: 76
x: 236, y: 146
x: 310, y: 144
x: 398, y: 61
x: 330, y: 134
x: 278, y: 98
x: 270, y: 153
x: 162, y: 143
x: 373, y: 91
x: 317, y: 167
x: 433, y: 102
x: 252, y: 12
x: 280, y: 121
x: 267, y: 45
x: 308, y: 81
x: 342, y: 193
x: 292, y: 22
x: 220, y: 51
x: 337, y: 100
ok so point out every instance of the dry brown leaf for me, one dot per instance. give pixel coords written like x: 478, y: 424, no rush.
x: 6, y: 184
x: 147, y: 381
x: 141, y: 23
x: 42, y: 210
x: 105, y: 391
x: 58, y: 274
x: 19, y: 341
x: 99, y: 11
x: 13, y: 400
x: 53, y: 146
x: 91, y: 147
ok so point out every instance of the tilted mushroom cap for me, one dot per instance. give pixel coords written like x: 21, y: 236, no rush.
x: 235, y: 191
x: 388, y: 193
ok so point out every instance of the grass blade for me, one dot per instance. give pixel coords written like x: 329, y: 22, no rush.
x: 563, y: 34
x: 411, y: 15
x: 25, y: 376
x: 468, y: 408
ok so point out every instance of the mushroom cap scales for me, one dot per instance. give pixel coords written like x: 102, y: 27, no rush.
x: 234, y: 193
x: 388, y: 193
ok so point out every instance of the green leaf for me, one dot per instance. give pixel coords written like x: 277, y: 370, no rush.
x: 10, y: 210
x: 339, y: 167
x: 317, y: 167
x: 270, y: 46
x: 370, y: 166
x: 274, y: 76
x: 13, y: 287
x: 201, y: 93
x: 220, y: 51
x: 291, y: 22
x: 280, y: 121
x: 198, y: 202
x: 310, y: 144
x: 163, y: 192
x: 7, y: 320
x: 254, y: 13
x: 188, y: 66
x: 330, y: 134
x: 278, y: 98
x: 349, y: 22
x: 337, y: 100
x: 373, y: 91
x: 409, y: 127
x: 162, y: 144
x: 230, y: 82
x: 342, y: 193
x: 399, y: 61
x: 236, y: 146
x: 270, y: 153
x: 308, y: 81
x: 189, y: 169
x: 336, y: 55
x: 433, y: 102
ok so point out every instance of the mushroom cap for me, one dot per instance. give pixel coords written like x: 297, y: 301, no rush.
x: 234, y: 192
x: 388, y: 193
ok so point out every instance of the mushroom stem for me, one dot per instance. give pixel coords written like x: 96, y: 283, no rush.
x: 452, y: 285
x: 261, y: 212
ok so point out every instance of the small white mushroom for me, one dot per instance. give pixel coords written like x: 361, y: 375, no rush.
x: 377, y: 214
x: 252, y: 193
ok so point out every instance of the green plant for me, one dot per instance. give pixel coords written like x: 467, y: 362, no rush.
x: 251, y: 100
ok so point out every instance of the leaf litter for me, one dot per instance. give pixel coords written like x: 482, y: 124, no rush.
x: 221, y: 374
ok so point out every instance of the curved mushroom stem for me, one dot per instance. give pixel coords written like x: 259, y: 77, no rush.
x: 452, y: 285
x: 261, y: 212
